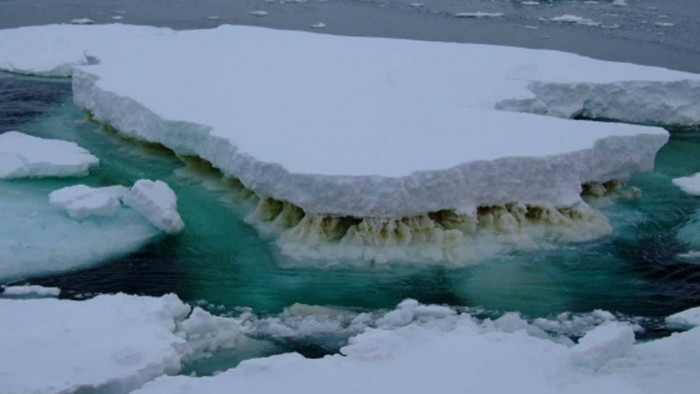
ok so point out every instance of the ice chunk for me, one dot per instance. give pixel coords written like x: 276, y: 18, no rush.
x: 689, y: 184
x: 157, y: 202
x: 574, y: 19
x: 602, y: 344
x: 619, y: 3
x: 110, y: 343
x: 82, y: 201
x: 31, y: 291
x: 479, y: 14
x: 25, y: 156
x: 258, y: 13
x: 82, y: 21
x: 684, y: 320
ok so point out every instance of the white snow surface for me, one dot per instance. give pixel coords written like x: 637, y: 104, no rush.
x: 30, y: 291
x: 26, y: 156
x: 110, y: 343
x: 157, y: 202
x: 689, y: 184
x: 684, y: 320
x: 454, y: 353
x: 367, y: 127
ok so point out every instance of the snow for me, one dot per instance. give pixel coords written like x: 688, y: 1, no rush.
x: 115, y: 343
x: 156, y: 202
x: 82, y: 21
x: 684, y: 320
x: 455, y: 353
x: 689, y: 184
x: 602, y: 344
x: 62, y: 46
x: 82, y: 201
x: 108, y: 344
x: 30, y: 291
x: 25, y: 156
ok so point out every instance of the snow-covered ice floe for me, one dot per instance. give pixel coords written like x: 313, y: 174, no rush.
x: 116, y: 343
x: 375, y: 148
x: 26, y: 156
x: 79, y: 225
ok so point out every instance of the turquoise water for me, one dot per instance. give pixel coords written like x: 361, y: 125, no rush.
x: 221, y: 259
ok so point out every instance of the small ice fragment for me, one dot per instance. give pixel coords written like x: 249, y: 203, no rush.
x: 574, y: 19
x: 664, y: 24
x: 529, y: 3
x: 531, y: 27
x: 684, y: 320
x: 689, y: 184
x: 117, y: 17
x: 82, y: 21
x: 258, y: 13
x: 213, y: 17
x: 619, y: 3
x: 157, y: 203
x: 479, y: 14
x: 416, y: 5
x: 319, y: 25
x: 31, y: 290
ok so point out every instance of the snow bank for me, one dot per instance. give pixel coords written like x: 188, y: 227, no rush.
x: 30, y: 291
x: 388, y: 141
x: 684, y: 320
x: 157, y: 203
x: 107, y: 344
x: 25, y: 156
x: 689, y: 184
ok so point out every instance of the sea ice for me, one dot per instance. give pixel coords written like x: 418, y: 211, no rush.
x: 455, y: 354
x: 25, y: 156
x: 574, y: 19
x: 157, y: 203
x: 684, y: 320
x: 82, y: 201
x: 30, y: 291
x: 113, y: 342
x: 689, y: 184
x: 388, y: 146
x: 479, y: 14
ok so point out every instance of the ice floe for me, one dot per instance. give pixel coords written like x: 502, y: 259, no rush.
x: 109, y: 343
x: 684, y: 320
x: 78, y: 225
x: 689, y: 184
x: 82, y: 201
x: 25, y: 156
x: 388, y: 141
